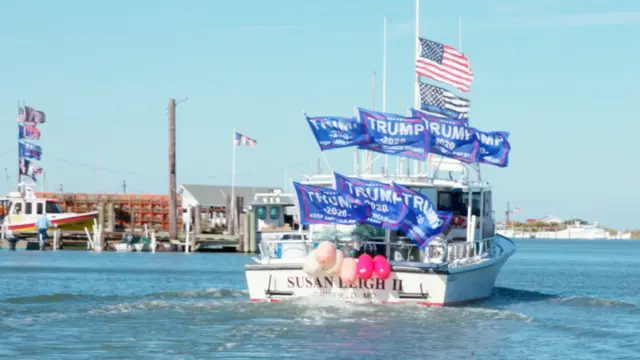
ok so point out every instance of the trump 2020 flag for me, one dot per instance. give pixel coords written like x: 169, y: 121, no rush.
x: 334, y: 132
x: 394, y: 134
x: 387, y: 208
x: 321, y: 205
x: 30, y: 151
x: 28, y: 132
x: 422, y: 222
x: 494, y: 148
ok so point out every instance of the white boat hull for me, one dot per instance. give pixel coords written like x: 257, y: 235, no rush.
x: 123, y: 247
x: 422, y: 285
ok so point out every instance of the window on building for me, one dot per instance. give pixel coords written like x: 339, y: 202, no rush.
x: 261, y: 212
x: 274, y: 213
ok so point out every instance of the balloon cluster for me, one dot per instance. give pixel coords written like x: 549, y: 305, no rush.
x: 326, y: 259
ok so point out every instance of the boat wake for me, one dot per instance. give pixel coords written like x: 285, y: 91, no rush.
x: 232, y: 305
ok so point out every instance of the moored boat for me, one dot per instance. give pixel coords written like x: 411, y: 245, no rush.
x: 22, y: 209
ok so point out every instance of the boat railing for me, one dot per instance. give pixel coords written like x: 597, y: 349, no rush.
x: 293, y: 250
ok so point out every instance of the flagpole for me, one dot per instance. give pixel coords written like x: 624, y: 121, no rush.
x: 416, y: 88
x: 232, y: 215
x: 384, y: 83
x: 19, y: 157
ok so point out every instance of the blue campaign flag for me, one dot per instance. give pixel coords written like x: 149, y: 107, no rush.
x: 422, y: 222
x: 28, y: 132
x: 387, y: 207
x: 395, y: 134
x: 320, y: 205
x: 450, y: 138
x: 30, y: 151
x: 334, y: 132
x: 494, y: 148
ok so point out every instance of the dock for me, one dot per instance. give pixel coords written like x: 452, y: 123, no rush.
x: 77, y: 240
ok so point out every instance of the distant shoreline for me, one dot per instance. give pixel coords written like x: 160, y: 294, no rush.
x: 559, y: 239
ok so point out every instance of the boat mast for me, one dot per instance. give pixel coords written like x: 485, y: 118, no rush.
x: 19, y: 158
x: 384, y: 84
x: 416, y: 87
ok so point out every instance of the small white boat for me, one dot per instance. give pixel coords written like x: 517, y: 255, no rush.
x: 133, y: 243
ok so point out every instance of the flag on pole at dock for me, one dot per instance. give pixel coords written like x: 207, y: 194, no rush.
x: 30, y: 151
x: 32, y: 116
x: 243, y: 140
x: 445, y: 64
x: 28, y: 168
x: 28, y: 132
x: 443, y: 103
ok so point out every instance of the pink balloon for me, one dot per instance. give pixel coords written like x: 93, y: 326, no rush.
x: 348, y: 271
x: 381, y: 267
x: 365, y: 267
x: 325, y: 253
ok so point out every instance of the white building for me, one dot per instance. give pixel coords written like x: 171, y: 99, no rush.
x: 214, y: 197
x: 550, y: 219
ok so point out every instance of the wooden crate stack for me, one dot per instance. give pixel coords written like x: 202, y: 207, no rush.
x: 131, y: 209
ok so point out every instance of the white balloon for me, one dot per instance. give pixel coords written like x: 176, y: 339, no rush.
x: 311, y: 265
x: 337, y: 262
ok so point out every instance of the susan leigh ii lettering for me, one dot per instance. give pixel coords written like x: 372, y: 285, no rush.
x: 327, y: 282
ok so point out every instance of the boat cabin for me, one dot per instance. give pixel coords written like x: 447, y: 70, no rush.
x: 275, y: 212
x: 15, y: 205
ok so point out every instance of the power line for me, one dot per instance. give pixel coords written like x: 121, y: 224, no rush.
x: 263, y: 171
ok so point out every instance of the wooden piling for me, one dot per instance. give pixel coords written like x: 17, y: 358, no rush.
x: 101, y: 213
x: 247, y: 231
x: 227, y: 213
x: 111, y: 218
x: 238, y: 210
x: 198, y: 220
x: 253, y: 244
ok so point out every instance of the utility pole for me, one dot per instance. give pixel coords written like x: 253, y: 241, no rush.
x: 508, y: 212
x: 173, y: 227
x: 124, y: 186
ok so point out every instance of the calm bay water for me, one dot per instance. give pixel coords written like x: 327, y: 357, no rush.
x: 554, y: 300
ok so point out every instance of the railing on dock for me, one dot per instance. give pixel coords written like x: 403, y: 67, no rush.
x: 296, y: 249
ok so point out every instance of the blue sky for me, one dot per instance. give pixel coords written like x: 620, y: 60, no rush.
x: 561, y: 76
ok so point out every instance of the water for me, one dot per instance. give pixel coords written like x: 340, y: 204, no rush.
x: 555, y: 300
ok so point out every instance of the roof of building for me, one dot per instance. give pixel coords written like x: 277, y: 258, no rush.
x: 215, y: 195
x: 551, y: 219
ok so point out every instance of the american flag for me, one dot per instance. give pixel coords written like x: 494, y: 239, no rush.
x: 241, y: 140
x: 445, y: 64
x: 440, y: 102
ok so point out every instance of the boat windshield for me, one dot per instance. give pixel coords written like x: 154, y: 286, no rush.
x: 457, y: 202
x: 53, y: 208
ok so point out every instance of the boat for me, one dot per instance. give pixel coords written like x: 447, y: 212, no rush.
x: 302, y: 257
x: 575, y: 230
x: 458, y: 268
x: 20, y: 211
x: 133, y: 243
